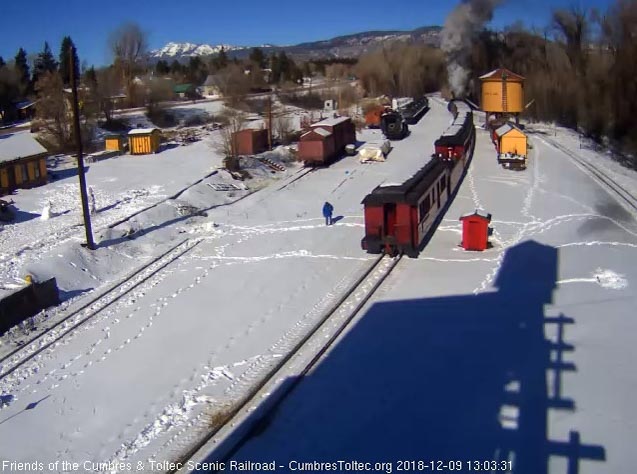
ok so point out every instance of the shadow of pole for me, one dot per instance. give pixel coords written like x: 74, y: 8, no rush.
x: 455, y: 378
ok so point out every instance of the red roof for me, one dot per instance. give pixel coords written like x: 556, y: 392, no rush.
x: 500, y: 74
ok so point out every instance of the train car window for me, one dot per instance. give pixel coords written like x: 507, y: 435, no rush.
x: 443, y: 185
x: 425, y: 206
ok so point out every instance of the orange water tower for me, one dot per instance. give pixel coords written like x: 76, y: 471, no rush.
x: 502, y: 93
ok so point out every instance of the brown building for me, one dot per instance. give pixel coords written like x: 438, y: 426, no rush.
x: 343, y: 130
x: 250, y: 141
x: 22, y: 162
x: 316, y: 146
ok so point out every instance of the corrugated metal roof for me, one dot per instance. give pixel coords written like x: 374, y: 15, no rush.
x: 500, y: 73
x: 506, y: 128
x: 19, y: 145
x: 330, y: 122
x: 142, y: 131
x: 319, y: 131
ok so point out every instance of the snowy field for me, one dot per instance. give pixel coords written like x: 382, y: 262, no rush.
x: 460, y: 355
x: 145, y: 376
x: 520, y: 353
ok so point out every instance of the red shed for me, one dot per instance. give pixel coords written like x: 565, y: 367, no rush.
x: 475, y: 230
x: 250, y: 141
x: 343, y: 130
x: 316, y: 146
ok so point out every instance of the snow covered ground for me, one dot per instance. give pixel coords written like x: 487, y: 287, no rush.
x: 146, y: 375
x: 520, y: 353
x: 452, y: 359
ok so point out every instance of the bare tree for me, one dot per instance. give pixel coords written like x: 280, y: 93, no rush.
x: 283, y: 128
x: 232, y: 121
x: 573, y: 27
x: 107, y: 88
x: 54, y: 112
x: 233, y: 83
x: 128, y: 43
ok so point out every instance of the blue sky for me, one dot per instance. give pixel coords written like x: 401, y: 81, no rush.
x: 246, y: 22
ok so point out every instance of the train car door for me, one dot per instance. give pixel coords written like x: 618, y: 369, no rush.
x: 390, y: 219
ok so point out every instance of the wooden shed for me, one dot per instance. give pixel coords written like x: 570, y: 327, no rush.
x: 143, y: 141
x: 250, y: 141
x: 316, y: 146
x: 343, y: 130
x: 22, y: 162
x: 114, y: 143
x: 510, y: 140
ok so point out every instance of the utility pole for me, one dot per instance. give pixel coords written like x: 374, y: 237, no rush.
x: 90, y: 244
x: 270, y: 122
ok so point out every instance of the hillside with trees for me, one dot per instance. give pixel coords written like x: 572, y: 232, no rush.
x: 580, y: 72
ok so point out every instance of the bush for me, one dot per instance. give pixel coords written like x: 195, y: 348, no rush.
x: 162, y: 118
x: 311, y: 101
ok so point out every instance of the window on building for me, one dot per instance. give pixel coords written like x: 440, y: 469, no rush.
x: 36, y: 169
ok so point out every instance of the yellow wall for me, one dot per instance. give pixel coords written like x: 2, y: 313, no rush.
x: 492, y: 96
x: 42, y: 165
x: 144, y: 144
x: 513, y: 143
x: 19, y: 179
x: 114, y: 144
x: 4, y: 178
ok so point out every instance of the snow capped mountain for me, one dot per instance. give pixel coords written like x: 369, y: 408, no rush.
x: 341, y: 46
x: 178, y: 50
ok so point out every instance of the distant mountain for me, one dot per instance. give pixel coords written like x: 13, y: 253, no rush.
x: 186, y: 50
x: 339, y: 47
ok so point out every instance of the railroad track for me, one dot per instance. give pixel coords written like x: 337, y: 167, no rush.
x: 296, y: 364
x: 603, y: 178
x: 302, y: 173
x: 85, y: 313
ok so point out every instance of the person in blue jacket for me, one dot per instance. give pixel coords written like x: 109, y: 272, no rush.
x: 328, y: 209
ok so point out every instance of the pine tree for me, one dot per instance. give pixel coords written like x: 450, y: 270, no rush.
x: 65, y: 71
x: 257, y: 56
x: 222, y: 59
x: 2, y: 63
x: 22, y: 67
x: 90, y: 77
x: 45, y: 62
x: 162, y: 68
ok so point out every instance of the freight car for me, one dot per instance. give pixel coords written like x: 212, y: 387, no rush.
x: 326, y: 140
x: 399, y: 218
x: 393, y: 125
x: 414, y: 110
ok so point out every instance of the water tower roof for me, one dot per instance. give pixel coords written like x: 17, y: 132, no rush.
x: 500, y: 74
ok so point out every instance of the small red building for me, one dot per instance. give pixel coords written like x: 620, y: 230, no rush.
x: 343, y: 130
x: 250, y: 141
x: 316, y: 146
x: 475, y: 230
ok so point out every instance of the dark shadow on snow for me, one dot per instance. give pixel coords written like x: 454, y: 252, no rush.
x: 467, y: 377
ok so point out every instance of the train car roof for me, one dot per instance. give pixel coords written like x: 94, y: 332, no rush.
x: 410, y: 190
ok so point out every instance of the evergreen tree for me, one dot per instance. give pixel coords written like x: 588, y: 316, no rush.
x: 22, y: 67
x: 222, y: 58
x: 90, y: 78
x: 45, y: 62
x: 175, y: 67
x: 162, y: 68
x: 257, y: 57
x: 65, y: 72
x: 2, y: 63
